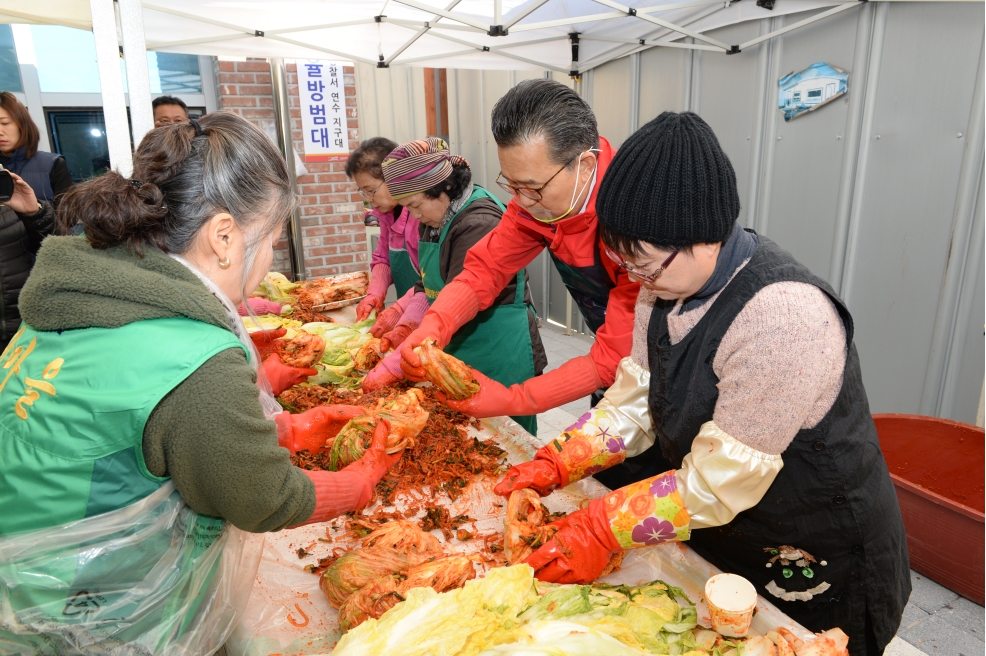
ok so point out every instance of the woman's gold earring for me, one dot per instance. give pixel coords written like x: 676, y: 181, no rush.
x: 224, y: 264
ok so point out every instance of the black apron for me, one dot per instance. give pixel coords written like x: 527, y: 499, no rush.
x: 833, y: 499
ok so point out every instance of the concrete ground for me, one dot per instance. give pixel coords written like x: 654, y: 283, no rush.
x: 936, y: 621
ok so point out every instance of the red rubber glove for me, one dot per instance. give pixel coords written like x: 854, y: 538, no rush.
x: 260, y: 306
x: 264, y: 341
x: 576, y: 378
x: 310, y: 430
x: 541, y: 475
x: 368, y: 305
x: 455, y: 306
x: 396, y: 337
x: 580, y: 550
x: 283, y: 377
x: 386, y: 320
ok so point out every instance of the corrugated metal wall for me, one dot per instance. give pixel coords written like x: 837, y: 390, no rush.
x: 879, y: 192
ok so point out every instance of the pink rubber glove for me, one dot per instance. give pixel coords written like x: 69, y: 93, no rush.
x: 384, y: 374
x: 376, y: 293
x: 259, y: 306
x: 386, y: 320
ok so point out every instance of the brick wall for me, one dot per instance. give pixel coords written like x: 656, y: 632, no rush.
x: 331, y: 207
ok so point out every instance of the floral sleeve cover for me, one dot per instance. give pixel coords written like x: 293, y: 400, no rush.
x: 586, y: 447
x: 648, y: 512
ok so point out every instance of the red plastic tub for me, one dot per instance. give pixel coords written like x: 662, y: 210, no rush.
x: 937, y: 468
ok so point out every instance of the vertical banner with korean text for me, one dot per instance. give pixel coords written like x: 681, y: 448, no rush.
x: 321, y: 88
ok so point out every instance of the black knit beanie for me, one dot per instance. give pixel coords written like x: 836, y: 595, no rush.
x: 670, y: 184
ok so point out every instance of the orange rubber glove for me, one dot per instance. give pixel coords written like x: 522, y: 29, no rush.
x: 386, y: 320
x: 368, y: 305
x: 310, y: 430
x: 283, y: 377
x: 264, y: 341
x: 576, y: 378
x: 580, y: 550
x: 455, y: 306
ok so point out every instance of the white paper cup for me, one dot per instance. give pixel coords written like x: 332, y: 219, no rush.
x: 731, y: 600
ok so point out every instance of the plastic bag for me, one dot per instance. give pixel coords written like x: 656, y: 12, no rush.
x: 154, y: 577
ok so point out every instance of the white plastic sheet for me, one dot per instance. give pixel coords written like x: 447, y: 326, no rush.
x: 288, y: 614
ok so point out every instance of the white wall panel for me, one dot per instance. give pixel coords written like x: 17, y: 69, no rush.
x: 908, y: 198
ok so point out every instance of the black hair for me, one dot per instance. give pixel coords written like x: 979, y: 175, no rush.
x: 169, y: 100
x: 545, y: 108
x: 368, y: 157
x: 629, y: 246
x: 453, y: 186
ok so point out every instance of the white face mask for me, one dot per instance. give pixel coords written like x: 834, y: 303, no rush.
x: 544, y: 215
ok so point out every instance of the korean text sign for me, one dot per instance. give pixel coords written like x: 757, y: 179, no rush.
x: 323, y: 110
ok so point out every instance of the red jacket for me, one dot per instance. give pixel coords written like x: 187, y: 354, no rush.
x: 494, y: 261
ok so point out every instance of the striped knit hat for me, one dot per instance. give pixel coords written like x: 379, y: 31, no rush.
x: 670, y: 184
x: 417, y: 166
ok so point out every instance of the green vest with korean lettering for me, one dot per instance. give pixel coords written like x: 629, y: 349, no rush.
x: 73, y: 405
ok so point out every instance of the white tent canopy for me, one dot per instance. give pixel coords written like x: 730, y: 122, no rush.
x: 535, y: 34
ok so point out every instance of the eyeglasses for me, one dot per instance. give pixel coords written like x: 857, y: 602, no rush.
x: 534, y: 193
x: 369, y: 195
x: 646, y: 277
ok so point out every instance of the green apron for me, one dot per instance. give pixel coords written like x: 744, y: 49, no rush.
x: 402, y: 271
x: 497, y: 341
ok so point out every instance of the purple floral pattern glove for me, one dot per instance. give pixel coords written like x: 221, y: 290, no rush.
x: 586, y: 447
x: 648, y: 512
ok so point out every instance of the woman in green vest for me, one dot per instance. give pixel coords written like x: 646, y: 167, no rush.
x: 502, y: 341
x: 132, y: 428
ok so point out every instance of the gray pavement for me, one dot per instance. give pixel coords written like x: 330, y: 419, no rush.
x: 936, y: 621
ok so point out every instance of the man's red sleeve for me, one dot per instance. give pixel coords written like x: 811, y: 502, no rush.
x: 494, y: 260
x: 615, y: 336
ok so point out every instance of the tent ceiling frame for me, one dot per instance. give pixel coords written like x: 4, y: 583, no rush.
x: 620, y: 14
x: 471, y: 25
x: 663, y: 23
x: 416, y: 25
x: 811, y: 19
x: 661, y: 37
x: 524, y: 13
x: 500, y: 50
x: 465, y: 20
x: 418, y: 35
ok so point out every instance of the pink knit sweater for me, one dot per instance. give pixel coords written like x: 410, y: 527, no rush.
x: 779, y: 364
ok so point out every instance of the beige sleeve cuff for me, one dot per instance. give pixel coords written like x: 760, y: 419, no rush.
x: 625, y: 404
x: 722, y: 477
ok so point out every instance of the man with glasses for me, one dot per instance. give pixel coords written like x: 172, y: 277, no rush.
x: 552, y: 161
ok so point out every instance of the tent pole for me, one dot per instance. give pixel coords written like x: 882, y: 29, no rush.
x: 282, y: 112
x: 111, y: 85
x: 135, y: 56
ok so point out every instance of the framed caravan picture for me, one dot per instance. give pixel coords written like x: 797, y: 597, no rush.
x: 806, y: 91
x: 321, y: 88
